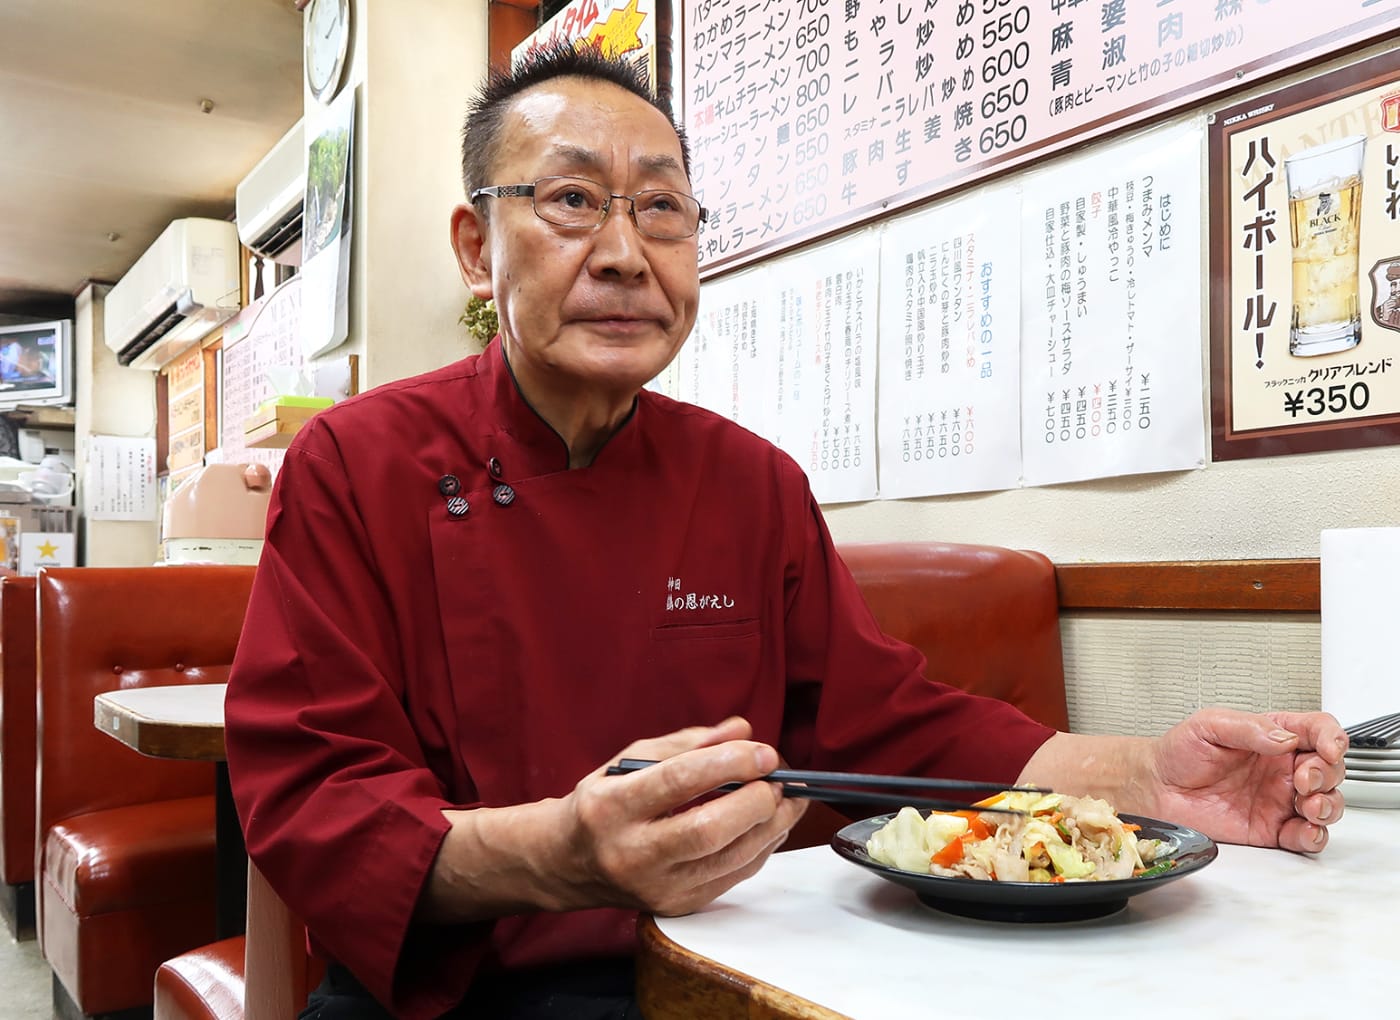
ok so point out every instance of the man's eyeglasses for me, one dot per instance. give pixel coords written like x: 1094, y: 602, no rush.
x: 581, y: 204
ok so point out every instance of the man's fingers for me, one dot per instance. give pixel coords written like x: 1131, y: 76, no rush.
x: 1263, y: 734
x: 1320, y: 808
x: 1301, y: 836
x: 688, y: 739
x: 678, y: 780
x: 729, y: 867
x: 1317, y: 731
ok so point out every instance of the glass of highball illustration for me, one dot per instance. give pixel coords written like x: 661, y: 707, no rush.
x: 1324, y: 208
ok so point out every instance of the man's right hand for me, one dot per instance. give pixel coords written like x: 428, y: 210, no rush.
x: 658, y: 840
x: 647, y: 840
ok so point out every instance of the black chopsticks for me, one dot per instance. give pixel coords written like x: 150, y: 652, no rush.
x: 1382, y: 731
x: 854, y: 787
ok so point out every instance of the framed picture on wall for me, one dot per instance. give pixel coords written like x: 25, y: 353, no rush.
x: 1305, y: 266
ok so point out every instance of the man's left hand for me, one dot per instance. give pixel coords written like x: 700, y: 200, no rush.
x: 1265, y: 779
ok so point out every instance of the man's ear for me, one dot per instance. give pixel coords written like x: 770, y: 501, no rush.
x: 469, y: 245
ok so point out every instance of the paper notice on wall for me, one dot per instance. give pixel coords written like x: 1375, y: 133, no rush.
x: 950, y: 346
x: 120, y: 481
x: 823, y: 413
x: 730, y: 361
x: 787, y: 350
x: 1112, y: 336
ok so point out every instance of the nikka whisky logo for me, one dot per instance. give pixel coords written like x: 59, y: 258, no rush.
x: 1390, y: 113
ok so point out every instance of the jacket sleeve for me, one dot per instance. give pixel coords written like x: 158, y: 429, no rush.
x: 860, y: 700
x: 339, y: 808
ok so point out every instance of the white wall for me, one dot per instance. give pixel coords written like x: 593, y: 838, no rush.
x: 414, y: 72
x: 111, y: 400
x: 1264, y: 508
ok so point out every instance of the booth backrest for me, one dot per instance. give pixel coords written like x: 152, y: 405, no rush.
x: 985, y: 617
x: 17, y: 729
x: 111, y: 628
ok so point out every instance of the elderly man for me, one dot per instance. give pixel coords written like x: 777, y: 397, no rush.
x: 461, y: 618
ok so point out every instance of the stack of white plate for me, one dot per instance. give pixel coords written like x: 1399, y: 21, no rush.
x: 1373, y: 777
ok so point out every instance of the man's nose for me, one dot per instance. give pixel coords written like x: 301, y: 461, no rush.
x: 618, y: 242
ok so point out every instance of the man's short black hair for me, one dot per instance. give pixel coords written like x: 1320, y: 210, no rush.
x: 481, y: 130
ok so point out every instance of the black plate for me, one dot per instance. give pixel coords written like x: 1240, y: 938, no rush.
x: 1034, y: 901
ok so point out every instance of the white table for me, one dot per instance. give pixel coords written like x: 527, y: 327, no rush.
x: 1256, y: 933
x: 184, y: 721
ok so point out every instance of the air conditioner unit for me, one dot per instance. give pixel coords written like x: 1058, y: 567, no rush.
x: 268, y: 202
x: 178, y: 291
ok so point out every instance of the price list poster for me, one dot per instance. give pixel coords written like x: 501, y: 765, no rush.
x: 1305, y: 243
x: 950, y: 398
x: 1111, y: 338
x: 807, y: 116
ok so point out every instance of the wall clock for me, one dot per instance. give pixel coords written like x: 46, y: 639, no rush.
x: 327, y: 38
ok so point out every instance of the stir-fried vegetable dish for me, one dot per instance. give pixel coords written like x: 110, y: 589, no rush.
x: 1057, y: 839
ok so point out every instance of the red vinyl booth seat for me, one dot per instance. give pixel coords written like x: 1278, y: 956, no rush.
x: 203, y: 984
x: 265, y: 975
x: 126, y: 867
x: 17, y: 735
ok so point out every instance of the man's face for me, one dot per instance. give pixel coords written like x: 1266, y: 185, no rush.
x: 603, y: 310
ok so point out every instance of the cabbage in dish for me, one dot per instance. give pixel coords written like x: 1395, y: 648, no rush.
x: 1058, y: 839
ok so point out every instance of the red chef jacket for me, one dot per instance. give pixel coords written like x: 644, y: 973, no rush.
x: 405, y: 652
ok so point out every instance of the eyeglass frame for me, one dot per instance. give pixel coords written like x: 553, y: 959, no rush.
x: 528, y: 191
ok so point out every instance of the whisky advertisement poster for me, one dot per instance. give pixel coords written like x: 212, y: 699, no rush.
x: 1305, y: 247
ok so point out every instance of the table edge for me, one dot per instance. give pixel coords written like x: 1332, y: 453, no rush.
x: 674, y: 983
x: 156, y: 738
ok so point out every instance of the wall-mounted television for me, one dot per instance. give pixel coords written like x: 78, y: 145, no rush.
x: 36, y: 363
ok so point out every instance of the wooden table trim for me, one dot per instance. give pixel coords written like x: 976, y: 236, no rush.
x: 676, y: 984
x: 154, y: 736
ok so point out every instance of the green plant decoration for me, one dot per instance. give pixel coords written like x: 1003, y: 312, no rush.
x: 480, y: 319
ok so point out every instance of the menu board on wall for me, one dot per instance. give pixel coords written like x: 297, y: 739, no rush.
x: 260, y: 342
x: 185, y: 416
x: 806, y: 116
